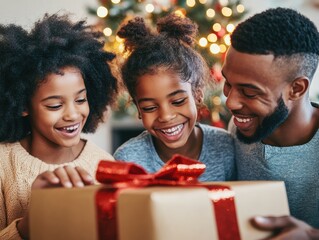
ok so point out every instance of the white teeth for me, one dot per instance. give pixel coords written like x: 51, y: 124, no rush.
x: 173, y: 131
x: 243, y: 120
x: 71, y: 128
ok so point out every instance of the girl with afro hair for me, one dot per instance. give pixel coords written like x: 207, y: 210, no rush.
x: 55, y: 83
x: 165, y: 77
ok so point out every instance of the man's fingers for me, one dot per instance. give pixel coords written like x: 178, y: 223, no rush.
x: 273, y: 223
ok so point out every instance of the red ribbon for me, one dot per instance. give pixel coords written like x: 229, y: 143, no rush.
x: 179, y: 171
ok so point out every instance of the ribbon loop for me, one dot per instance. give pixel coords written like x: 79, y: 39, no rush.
x: 177, y: 171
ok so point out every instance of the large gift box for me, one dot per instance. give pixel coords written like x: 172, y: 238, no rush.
x: 170, y: 204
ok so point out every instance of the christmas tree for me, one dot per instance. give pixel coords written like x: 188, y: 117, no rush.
x: 216, y: 19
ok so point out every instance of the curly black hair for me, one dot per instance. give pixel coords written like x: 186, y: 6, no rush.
x: 170, y: 47
x: 282, y: 32
x: 53, y: 43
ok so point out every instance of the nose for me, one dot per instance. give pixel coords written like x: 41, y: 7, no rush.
x: 233, y: 100
x: 166, y: 114
x: 71, y: 113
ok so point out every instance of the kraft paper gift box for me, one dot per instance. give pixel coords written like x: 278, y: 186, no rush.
x: 184, y: 209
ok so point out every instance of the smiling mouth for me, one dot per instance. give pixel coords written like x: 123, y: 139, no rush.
x: 70, y: 129
x: 173, y: 130
x: 243, y: 120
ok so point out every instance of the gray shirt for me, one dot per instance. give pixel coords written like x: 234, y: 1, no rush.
x: 297, y: 166
x: 217, y: 153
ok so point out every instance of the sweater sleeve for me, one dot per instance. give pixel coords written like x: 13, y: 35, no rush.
x: 10, y: 232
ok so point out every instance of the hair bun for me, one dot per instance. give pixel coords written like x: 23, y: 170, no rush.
x: 134, y: 33
x: 181, y: 28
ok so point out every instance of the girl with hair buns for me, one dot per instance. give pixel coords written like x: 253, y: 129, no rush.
x: 165, y: 77
x: 55, y: 82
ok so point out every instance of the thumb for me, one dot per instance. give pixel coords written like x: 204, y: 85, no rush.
x: 272, y: 223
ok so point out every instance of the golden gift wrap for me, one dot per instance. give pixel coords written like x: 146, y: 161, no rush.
x: 153, y: 213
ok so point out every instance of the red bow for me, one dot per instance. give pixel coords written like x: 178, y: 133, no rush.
x: 177, y: 171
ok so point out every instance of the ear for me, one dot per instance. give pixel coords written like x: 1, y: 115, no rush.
x: 298, y: 88
x: 199, y: 96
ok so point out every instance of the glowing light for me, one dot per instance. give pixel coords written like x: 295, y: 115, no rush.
x: 102, y: 12
x: 227, y: 12
x: 212, y: 37
x: 223, y: 2
x: 217, y: 27
x: 190, y: 3
x: 115, y: 1
x: 107, y: 31
x: 180, y: 12
x: 210, y: 13
x: 118, y: 39
x: 227, y: 39
x: 230, y: 27
x: 202, y: 1
x: 203, y: 42
x: 222, y: 48
x: 240, y: 8
x: 149, y: 8
x: 214, y: 48
x: 217, y: 100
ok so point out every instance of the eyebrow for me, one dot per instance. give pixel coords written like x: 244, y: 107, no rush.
x: 59, y: 97
x: 169, y: 95
x: 246, y: 85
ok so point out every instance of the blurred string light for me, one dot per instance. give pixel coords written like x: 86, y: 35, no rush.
x: 216, y: 20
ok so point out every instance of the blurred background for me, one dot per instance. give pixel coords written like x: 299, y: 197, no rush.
x: 216, y: 20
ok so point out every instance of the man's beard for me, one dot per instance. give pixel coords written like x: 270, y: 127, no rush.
x: 268, y: 125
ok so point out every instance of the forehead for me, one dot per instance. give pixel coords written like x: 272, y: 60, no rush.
x: 68, y: 81
x: 160, y: 83
x: 243, y: 68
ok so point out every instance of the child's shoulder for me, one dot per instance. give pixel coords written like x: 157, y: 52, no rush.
x: 91, y: 148
x: 208, y: 129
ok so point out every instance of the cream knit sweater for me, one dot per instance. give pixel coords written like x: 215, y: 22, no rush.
x: 18, y: 169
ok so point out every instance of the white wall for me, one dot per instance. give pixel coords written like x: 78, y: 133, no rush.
x: 26, y: 12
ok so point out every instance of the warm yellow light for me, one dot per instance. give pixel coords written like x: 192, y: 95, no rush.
x: 210, y: 13
x: 216, y: 100
x: 214, y: 48
x: 240, y: 8
x: 180, y: 12
x: 107, y: 31
x: 149, y: 8
x: 102, y: 12
x: 230, y: 27
x: 203, y: 42
x: 227, y: 12
x: 222, y: 48
x: 203, y: 1
x: 217, y: 27
x: 223, y: 2
x: 227, y: 39
x: 118, y: 39
x: 212, y: 37
x: 121, y: 47
x: 115, y: 1
x: 190, y: 3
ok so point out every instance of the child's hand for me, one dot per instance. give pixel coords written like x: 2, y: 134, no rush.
x: 66, y: 176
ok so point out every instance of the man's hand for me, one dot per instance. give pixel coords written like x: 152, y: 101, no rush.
x: 286, y: 228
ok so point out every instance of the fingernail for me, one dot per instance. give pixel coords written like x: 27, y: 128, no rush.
x: 79, y: 184
x: 89, y: 178
x: 67, y: 184
x: 261, y: 220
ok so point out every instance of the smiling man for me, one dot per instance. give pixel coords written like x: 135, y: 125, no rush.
x: 268, y: 71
